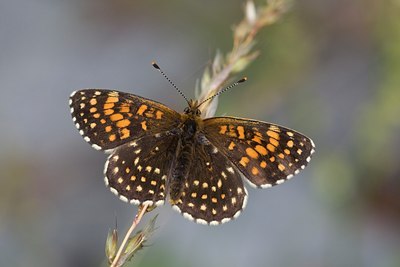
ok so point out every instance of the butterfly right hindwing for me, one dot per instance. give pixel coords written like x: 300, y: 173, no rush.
x: 213, y: 192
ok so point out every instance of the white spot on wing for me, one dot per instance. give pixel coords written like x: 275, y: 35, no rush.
x: 124, y: 199
x: 106, y: 165
x: 134, y: 201
x: 201, y: 221
x: 73, y: 93
x: 109, y: 151
x: 289, y: 176
x: 251, y: 184
x: 237, y: 214
x: 225, y: 220
x: 114, y: 191
x: 148, y: 202
x: 280, y: 181
x: 159, y: 203
x: 214, y: 223
x: 266, y: 185
x: 312, y: 143
x: 244, y: 200
x: 176, y: 208
x: 188, y: 216
x: 87, y: 139
x: 230, y: 169
x: 134, y: 144
x: 96, y: 147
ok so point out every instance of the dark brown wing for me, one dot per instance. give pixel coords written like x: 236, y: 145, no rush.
x: 267, y: 154
x: 137, y: 171
x: 106, y: 119
x: 213, y: 192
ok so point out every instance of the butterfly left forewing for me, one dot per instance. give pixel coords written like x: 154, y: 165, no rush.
x: 266, y: 154
x: 107, y: 119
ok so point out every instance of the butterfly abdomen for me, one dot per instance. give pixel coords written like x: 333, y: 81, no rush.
x: 184, y: 159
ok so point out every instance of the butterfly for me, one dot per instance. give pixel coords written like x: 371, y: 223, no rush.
x: 157, y: 153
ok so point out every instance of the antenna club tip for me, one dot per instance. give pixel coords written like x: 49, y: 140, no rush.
x: 242, y: 80
x: 155, y: 65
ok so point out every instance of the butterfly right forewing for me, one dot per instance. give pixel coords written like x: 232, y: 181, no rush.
x: 267, y: 154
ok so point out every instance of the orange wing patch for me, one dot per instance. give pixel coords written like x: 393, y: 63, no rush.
x: 159, y: 115
x: 141, y: 109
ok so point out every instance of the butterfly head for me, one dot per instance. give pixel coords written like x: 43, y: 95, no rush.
x: 193, y: 108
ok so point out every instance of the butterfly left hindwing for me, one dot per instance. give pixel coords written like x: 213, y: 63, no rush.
x: 137, y: 171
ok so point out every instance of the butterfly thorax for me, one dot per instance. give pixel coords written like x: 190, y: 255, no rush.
x: 190, y: 127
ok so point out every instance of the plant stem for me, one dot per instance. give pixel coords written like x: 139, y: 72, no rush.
x: 136, y: 220
x: 242, y: 52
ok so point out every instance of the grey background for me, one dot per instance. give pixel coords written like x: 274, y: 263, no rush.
x: 325, y: 69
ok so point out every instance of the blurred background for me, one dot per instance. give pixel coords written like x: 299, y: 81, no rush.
x: 329, y: 69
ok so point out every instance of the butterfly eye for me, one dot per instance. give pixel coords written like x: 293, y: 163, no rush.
x: 186, y: 110
x: 198, y: 112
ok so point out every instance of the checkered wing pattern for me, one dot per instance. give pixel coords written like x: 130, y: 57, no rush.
x: 107, y: 119
x: 266, y: 154
x: 213, y: 192
x: 156, y: 152
x: 137, y: 171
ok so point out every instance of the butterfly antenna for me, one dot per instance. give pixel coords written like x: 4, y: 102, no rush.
x: 166, y: 77
x: 223, y: 90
